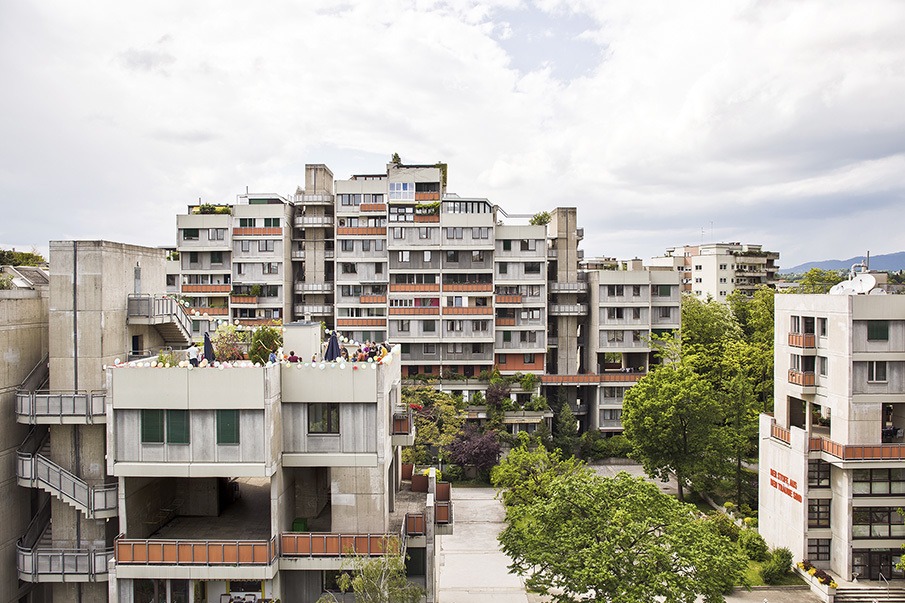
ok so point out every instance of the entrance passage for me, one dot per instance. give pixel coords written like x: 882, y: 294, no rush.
x: 871, y: 563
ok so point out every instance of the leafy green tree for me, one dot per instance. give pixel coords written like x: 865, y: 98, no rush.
x: 565, y: 433
x: 395, y: 159
x: 706, y: 323
x: 264, y: 340
x: 541, y: 218
x: 11, y: 257
x: 379, y: 579
x: 528, y: 474
x: 587, y: 538
x: 439, y: 419
x: 673, y: 420
x: 754, y: 314
x: 816, y: 280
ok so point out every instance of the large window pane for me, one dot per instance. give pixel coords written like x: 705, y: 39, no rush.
x: 177, y: 427
x: 323, y: 418
x: 227, y: 426
x: 152, y: 426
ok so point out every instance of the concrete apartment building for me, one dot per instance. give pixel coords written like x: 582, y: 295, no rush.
x: 143, y: 483
x: 460, y: 284
x: 714, y: 270
x: 832, y: 464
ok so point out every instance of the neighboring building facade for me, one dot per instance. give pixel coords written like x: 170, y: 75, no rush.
x: 832, y: 464
x: 714, y: 270
x: 462, y: 286
x: 23, y: 342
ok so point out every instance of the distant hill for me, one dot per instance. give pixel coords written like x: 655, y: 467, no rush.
x: 889, y: 262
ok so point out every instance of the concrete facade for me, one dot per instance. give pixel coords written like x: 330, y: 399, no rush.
x: 714, y: 270
x: 832, y: 472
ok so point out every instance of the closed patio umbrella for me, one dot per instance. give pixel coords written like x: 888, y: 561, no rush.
x: 208, y: 347
x: 333, y: 352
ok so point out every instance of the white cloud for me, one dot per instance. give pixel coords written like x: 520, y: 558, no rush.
x: 653, y: 118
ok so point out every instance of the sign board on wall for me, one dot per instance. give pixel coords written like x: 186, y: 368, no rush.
x: 787, y: 486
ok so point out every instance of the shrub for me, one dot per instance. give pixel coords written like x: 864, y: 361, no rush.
x: 618, y: 446
x: 454, y: 473
x: 264, y: 340
x: 753, y: 545
x: 164, y: 358
x: 777, y: 566
x: 537, y: 404
x: 725, y: 526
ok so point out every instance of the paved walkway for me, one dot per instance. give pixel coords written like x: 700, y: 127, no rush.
x: 473, y: 569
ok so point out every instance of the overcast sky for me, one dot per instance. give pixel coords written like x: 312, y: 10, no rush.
x: 665, y: 123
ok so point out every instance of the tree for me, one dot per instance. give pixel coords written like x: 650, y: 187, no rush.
x: 264, y: 340
x: 395, y: 159
x: 540, y: 219
x: 378, y: 579
x: 565, y: 435
x: 528, y: 474
x: 227, y: 343
x: 816, y: 280
x: 11, y: 257
x: 740, y: 408
x: 706, y: 323
x: 589, y: 538
x: 439, y: 418
x: 672, y: 419
x: 482, y: 450
x: 754, y: 314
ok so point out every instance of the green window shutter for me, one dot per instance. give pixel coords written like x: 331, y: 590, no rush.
x: 227, y: 426
x: 177, y: 427
x: 877, y: 330
x: 151, y: 426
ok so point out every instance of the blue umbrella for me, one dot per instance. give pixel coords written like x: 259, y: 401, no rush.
x: 333, y: 352
x: 208, y: 347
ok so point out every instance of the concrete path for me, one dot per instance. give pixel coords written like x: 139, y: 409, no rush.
x: 472, y: 567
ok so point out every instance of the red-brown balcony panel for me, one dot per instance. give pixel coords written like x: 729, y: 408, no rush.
x: 373, y: 207
x: 801, y: 378
x: 802, y: 340
x: 469, y: 310
x: 414, y: 288
x: 240, y: 231
x: 410, y: 311
x: 468, y: 287
x: 207, y: 288
x: 372, y: 299
x: 362, y: 230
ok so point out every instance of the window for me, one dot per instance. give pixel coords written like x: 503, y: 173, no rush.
x: 479, y: 326
x: 477, y: 256
x: 216, y: 234
x: 240, y: 268
x: 378, y: 268
x: 665, y: 311
x: 877, y: 522
x: 193, y: 257
x: 504, y: 268
x: 821, y: 365
x: 480, y: 233
x: 532, y: 267
x: 614, y: 336
x: 402, y: 190
x: 265, y: 245
x: 227, y: 427
x: 876, y: 371
x: 405, y: 326
x: 151, y: 426
x: 818, y: 474
x: 347, y: 245
x: 663, y: 290
x: 502, y: 359
x: 615, y: 290
x: 247, y: 222
x: 698, y: 279
x: 404, y: 256
x: 698, y: 267
x: 348, y: 268
x: 424, y: 233
x: 636, y: 313
x: 636, y: 290
x: 216, y: 257
x: 245, y: 245
x: 430, y: 349
x: 529, y: 358
x: 819, y: 549
x: 878, y: 330
x: 507, y: 245
x: 397, y: 233
x: 819, y: 513
x: 189, y: 234
x: 429, y: 326
x: 271, y: 268
x: 528, y: 337
x: 454, y: 326
x: 614, y: 313
x: 453, y: 348
x: 427, y: 257
x: 722, y: 266
x: 507, y: 336
x: 323, y: 418
x: 528, y: 245
x: 177, y: 427
x: 477, y: 348
x: 821, y: 327
x: 452, y: 257
x: 271, y: 222
x: 874, y: 482
x: 454, y: 301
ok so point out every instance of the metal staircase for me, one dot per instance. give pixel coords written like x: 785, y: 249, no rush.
x: 36, y: 470
x: 166, y: 315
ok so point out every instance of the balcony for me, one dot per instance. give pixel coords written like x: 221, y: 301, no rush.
x: 568, y: 309
x: 803, y: 379
x: 802, y: 340
x: 318, y: 310
x: 348, y: 231
x: 361, y: 322
x: 875, y: 452
x: 556, y: 287
x: 313, y: 221
x: 209, y: 311
x: 508, y: 299
x: 467, y: 310
x: 403, y: 433
x: 414, y: 287
x: 505, y: 322
x: 427, y: 196
x: 46, y: 565
x: 243, y: 299
x: 196, y: 559
x: 468, y: 287
x: 61, y: 408
x: 415, y: 311
x: 257, y: 232
x: 298, y: 254
x: 373, y: 207
x: 319, y: 551
x: 312, y: 199
x: 223, y: 289
x: 427, y: 218
x: 591, y: 378
x: 372, y: 299
x: 305, y: 287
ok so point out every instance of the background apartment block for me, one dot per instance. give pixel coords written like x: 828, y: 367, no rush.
x: 832, y: 468
x: 715, y: 270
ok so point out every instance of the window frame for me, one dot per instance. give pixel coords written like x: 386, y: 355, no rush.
x: 228, y: 427
x: 326, y: 421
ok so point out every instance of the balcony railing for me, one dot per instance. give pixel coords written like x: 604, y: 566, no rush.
x: 313, y: 221
x: 468, y: 287
x: 361, y: 230
x: 78, y: 407
x: 412, y: 311
x: 427, y: 218
x: 508, y: 299
x: 190, y: 288
x: 505, y: 322
x: 243, y: 231
x: 781, y: 433
x: 568, y: 287
x: 414, y: 524
x: 196, y: 552
x: 157, y: 308
x: 804, y: 379
x: 63, y: 565
x: 311, y: 544
x: 303, y: 287
x: 858, y: 452
x: 568, y: 309
x: 467, y: 310
x: 616, y: 377
x: 361, y: 322
x: 402, y: 423
x: 414, y: 287
x: 801, y: 340
x: 373, y: 207
x: 243, y: 299
x: 372, y: 299
x: 313, y: 309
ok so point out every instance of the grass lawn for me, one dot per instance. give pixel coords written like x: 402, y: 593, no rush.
x: 754, y: 579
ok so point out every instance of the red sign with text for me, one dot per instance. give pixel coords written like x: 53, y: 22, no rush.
x: 787, y: 486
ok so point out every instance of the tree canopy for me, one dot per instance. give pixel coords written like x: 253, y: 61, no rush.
x: 380, y: 579
x: 817, y: 280
x: 439, y: 418
x: 11, y: 257
x: 576, y: 536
